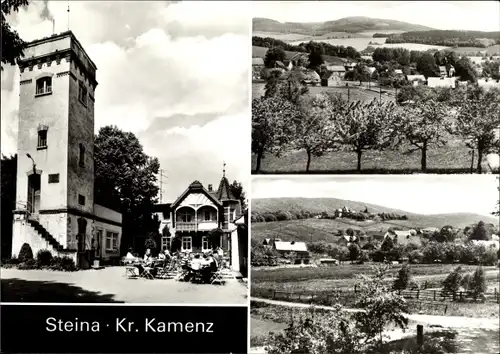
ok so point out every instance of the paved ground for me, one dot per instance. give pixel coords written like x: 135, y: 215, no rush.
x: 110, y: 285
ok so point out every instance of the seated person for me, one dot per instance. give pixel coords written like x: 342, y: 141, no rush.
x: 129, y: 258
x: 210, y: 267
x: 162, y: 256
x: 148, y: 257
x: 196, y: 262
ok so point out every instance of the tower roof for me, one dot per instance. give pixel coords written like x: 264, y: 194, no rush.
x: 224, y: 190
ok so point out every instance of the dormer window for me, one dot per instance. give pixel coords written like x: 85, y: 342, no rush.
x: 82, y: 93
x: 43, y: 86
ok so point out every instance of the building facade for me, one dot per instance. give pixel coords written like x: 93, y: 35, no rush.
x: 55, y: 207
x: 196, y: 214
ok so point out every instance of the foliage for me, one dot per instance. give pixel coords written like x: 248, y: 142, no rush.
x: 365, y: 126
x: 313, y: 128
x: 28, y: 265
x: 315, y: 59
x: 329, y: 332
x: 272, y: 126
x: 125, y: 179
x: 477, y: 120
x: 426, y: 65
x: 176, y: 244
x: 12, y: 45
x: 354, y: 251
x: 26, y: 253
x: 151, y: 244
x: 237, y: 191
x: 381, y: 306
x: 214, y: 237
x: 453, y: 281
x: 447, y: 38
x: 480, y: 232
x: 387, y: 244
x: 273, y: 55
x: 422, y: 125
x: 263, y: 256
x: 8, y: 202
x: 64, y: 263
x: 477, y: 283
x: 44, y: 258
x: 403, y: 279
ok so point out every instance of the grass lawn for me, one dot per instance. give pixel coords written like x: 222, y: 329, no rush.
x: 453, y: 158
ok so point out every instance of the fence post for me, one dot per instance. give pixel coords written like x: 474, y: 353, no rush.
x: 460, y: 296
x: 274, y: 294
x: 418, y: 293
x: 445, y: 309
x: 355, y: 289
x: 434, y: 295
x: 420, y: 336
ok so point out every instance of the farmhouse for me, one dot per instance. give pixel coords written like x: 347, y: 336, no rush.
x: 298, y: 248
x: 312, y: 77
x: 257, y: 66
x: 488, y: 83
x: 416, y: 79
x: 398, y: 72
x: 403, y: 237
x: 55, y: 208
x: 333, y: 76
x: 197, y: 212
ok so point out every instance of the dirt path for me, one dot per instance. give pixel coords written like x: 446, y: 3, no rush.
x: 436, y: 320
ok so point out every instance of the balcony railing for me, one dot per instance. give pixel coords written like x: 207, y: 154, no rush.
x: 186, y: 226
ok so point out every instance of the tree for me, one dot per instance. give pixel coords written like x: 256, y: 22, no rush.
x: 361, y: 73
x: 403, y: 279
x: 315, y: 60
x: 214, y: 237
x: 387, y: 244
x: 365, y: 126
x: 273, y: 55
x: 477, y: 283
x: 125, y: 179
x: 423, y: 125
x: 236, y: 189
x: 426, y: 65
x: 448, y: 233
x: 354, y: 252
x: 480, y: 232
x: 8, y: 204
x: 272, y: 126
x: 465, y: 70
x: 381, y: 306
x: 477, y: 120
x: 313, y: 128
x: 453, y: 281
x: 151, y: 244
x: 12, y: 45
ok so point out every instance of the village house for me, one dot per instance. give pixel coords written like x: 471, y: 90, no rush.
x: 487, y: 244
x: 257, y: 66
x: 398, y: 72
x: 299, y: 249
x: 197, y: 212
x: 416, y: 80
x: 449, y: 82
x: 333, y: 76
x: 55, y: 208
x: 488, y: 83
x: 403, y: 237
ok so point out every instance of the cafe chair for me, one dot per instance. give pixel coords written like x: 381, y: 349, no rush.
x: 147, y: 273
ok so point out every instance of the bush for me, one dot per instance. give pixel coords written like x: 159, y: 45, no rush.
x: 26, y: 253
x: 29, y: 264
x: 65, y: 264
x: 403, y: 279
x: 415, y: 256
x: 44, y: 258
x: 453, y: 281
x: 477, y: 283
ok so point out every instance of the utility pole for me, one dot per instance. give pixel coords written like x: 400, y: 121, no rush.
x: 162, y: 174
x: 68, y: 15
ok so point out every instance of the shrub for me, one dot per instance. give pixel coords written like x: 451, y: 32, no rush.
x: 363, y: 257
x: 403, y: 279
x: 378, y: 256
x: 44, y: 258
x: 26, y: 253
x: 416, y: 256
x: 489, y: 257
x: 65, y: 264
x: 453, y: 281
x: 28, y: 264
x: 477, y: 283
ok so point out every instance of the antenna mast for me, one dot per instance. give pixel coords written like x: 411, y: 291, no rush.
x: 162, y: 174
x: 68, y: 15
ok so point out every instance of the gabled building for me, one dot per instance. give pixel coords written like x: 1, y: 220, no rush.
x: 197, y: 212
x: 298, y: 248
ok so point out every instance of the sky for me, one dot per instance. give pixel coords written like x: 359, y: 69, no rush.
x: 421, y: 194
x: 173, y: 73
x: 450, y: 15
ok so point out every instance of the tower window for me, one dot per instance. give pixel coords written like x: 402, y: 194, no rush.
x: 44, y: 86
x: 42, y: 139
x: 81, y: 159
x: 82, y: 93
x: 81, y: 199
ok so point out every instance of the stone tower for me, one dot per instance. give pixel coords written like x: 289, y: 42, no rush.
x: 55, y: 170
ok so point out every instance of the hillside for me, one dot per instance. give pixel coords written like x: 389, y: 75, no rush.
x: 476, y: 39
x: 348, y: 24
x: 318, y: 205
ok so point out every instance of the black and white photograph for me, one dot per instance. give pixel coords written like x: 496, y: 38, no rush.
x: 375, y: 264
x: 375, y: 87
x: 125, y: 143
